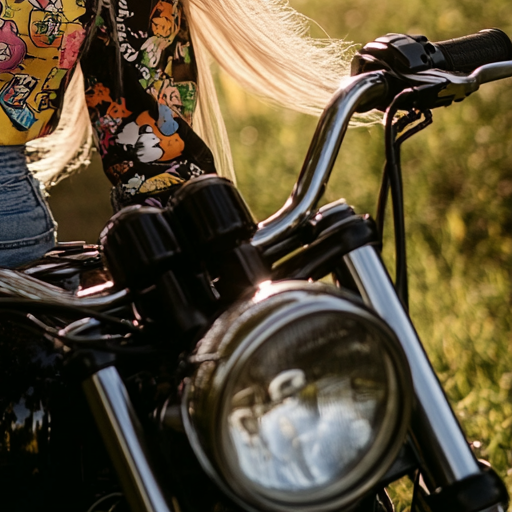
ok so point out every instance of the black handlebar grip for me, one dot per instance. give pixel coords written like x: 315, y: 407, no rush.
x: 467, y: 53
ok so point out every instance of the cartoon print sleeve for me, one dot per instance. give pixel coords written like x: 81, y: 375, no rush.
x: 40, y: 41
x: 141, y: 93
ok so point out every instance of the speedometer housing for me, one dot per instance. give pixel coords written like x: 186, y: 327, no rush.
x: 300, y: 400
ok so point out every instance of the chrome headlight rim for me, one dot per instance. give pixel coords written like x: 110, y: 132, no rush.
x: 216, y: 459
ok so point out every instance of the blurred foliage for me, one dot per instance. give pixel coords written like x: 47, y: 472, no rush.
x: 81, y: 204
x: 458, y: 189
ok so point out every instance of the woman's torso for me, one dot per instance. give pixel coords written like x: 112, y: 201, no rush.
x: 40, y: 41
x: 140, y: 80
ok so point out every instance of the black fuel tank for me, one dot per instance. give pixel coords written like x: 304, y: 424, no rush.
x: 51, y: 456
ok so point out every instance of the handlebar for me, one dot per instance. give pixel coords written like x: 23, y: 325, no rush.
x: 321, y: 156
x: 359, y: 94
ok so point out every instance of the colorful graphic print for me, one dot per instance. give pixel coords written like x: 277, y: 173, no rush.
x: 40, y: 41
x: 161, y: 52
x: 12, y: 48
x: 143, y: 118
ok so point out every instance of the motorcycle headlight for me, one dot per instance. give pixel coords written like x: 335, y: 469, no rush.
x: 300, y: 400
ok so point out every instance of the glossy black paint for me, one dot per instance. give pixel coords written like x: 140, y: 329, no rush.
x: 71, y: 266
x: 211, y: 215
x: 139, y: 244
x: 473, y: 494
x: 322, y: 255
x: 213, y: 221
x: 50, y: 452
x: 401, y: 52
x: 308, y: 232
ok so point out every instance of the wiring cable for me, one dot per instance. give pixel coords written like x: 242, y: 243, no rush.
x: 23, y: 311
x: 58, y: 309
x: 392, y: 180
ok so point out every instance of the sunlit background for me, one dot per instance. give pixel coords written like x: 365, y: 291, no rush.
x: 458, y: 187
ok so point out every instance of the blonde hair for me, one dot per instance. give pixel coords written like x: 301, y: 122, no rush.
x: 70, y: 146
x: 263, y: 44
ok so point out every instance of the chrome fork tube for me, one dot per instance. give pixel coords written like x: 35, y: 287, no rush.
x: 445, y: 454
x: 123, y: 437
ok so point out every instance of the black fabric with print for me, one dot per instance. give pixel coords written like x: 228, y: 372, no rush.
x: 141, y: 93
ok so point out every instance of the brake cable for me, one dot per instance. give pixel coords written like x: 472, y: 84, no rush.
x: 48, y: 307
x: 110, y: 343
x: 392, y: 179
x: 25, y: 308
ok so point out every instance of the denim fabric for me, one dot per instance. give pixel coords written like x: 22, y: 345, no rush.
x: 27, y: 229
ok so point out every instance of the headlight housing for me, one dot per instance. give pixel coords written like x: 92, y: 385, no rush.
x: 301, y: 399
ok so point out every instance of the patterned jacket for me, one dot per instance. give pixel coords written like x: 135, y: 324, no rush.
x: 140, y: 82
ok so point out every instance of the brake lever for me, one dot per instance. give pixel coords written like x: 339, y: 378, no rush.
x: 455, y: 87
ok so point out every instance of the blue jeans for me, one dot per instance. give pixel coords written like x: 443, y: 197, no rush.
x: 27, y: 229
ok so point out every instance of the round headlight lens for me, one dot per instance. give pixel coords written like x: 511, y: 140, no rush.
x: 309, y: 404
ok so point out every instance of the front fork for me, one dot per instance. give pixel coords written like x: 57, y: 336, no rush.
x: 122, y: 434
x: 448, y: 466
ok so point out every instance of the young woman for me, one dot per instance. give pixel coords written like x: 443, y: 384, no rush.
x: 148, y: 90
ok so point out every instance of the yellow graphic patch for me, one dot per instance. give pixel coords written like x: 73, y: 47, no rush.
x: 39, y: 44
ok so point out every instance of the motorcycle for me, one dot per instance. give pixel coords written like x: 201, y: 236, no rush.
x: 197, y: 361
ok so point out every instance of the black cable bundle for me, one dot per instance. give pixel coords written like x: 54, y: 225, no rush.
x: 392, y: 179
